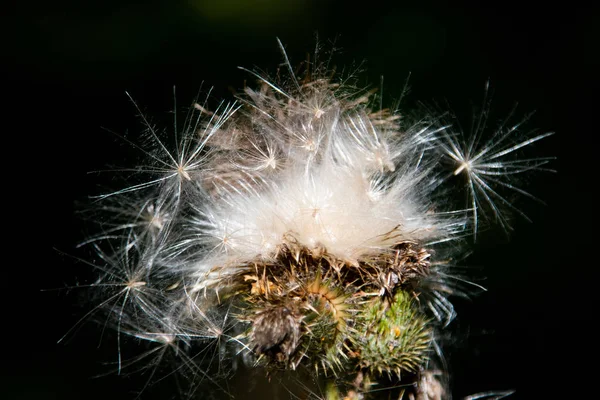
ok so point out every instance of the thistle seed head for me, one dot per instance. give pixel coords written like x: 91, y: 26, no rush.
x: 302, y: 224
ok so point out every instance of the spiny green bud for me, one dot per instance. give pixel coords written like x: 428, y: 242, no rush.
x: 392, y: 336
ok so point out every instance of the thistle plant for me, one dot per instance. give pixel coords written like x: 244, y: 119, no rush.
x: 301, y: 226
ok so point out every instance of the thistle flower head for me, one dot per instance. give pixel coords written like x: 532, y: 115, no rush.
x: 299, y: 227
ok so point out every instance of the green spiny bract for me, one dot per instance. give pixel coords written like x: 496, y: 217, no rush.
x: 392, y: 336
x: 352, y: 319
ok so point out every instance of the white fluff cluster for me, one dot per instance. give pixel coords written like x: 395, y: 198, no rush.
x: 325, y: 175
x: 308, y: 161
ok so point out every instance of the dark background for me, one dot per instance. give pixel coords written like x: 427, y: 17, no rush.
x: 67, y: 65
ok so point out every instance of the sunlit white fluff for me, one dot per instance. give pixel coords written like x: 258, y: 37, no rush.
x: 331, y: 207
x: 322, y: 168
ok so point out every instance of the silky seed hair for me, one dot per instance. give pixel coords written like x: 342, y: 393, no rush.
x: 302, y: 226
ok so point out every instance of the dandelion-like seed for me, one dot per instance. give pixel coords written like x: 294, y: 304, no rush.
x: 171, y: 170
x: 488, y: 165
x: 299, y: 228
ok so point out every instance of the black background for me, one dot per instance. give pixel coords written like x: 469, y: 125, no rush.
x: 67, y: 65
